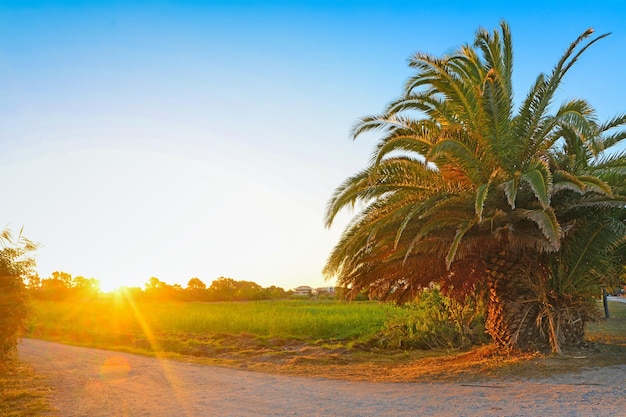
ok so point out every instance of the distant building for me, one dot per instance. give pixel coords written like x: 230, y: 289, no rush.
x: 303, y: 290
x: 326, y: 290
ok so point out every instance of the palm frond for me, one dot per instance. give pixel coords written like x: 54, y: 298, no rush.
x: 596, y: 185
x: 547, y: 222
x: 458, y: 237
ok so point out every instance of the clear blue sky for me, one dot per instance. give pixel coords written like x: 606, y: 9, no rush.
x: 203, y: 139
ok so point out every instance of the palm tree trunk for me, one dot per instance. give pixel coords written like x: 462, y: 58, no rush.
x: 524, y: 313
x: 512, y: 309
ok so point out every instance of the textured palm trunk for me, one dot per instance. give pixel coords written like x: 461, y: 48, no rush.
x: 511, y: 312
x: 563, y: 320
x: 523, y: 314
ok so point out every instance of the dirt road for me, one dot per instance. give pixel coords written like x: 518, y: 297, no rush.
x: 92, y: 382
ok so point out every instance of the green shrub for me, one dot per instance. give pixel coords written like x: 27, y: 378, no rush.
x: 13, y: 298
x: 434, y: 321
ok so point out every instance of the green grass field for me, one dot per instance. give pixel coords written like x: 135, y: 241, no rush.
x: 207, y: 329
x: 611, y: 331
x: 200, y: 328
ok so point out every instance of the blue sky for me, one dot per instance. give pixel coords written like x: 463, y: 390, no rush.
x: 203, y: 139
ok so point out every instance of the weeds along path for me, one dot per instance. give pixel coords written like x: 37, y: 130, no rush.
x: 92, y: 382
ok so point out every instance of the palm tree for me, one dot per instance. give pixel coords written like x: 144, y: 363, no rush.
x: 464, y: 192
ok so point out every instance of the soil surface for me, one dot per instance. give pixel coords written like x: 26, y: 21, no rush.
x: 93, y: 382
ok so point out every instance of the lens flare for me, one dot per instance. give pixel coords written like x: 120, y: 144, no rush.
x: 114, y: 368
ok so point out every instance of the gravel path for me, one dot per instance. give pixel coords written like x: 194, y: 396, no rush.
x: 93, y: 382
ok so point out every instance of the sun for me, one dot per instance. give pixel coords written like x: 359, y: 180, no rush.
x: 108, y: 286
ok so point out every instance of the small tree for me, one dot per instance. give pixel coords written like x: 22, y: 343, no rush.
x: 15, y: 267
x: 196, y: 284
x: 57, y: 286
x: 223, y: 289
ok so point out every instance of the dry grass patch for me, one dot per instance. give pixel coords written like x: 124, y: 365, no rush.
x: 606, y: 346
x: 22, y: 392
x: 479, y: 364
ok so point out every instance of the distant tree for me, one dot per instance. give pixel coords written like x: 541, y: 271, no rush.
x: 64, y: 278
x: 159, y: 290
x: 196, y: 284
x: 85, y: 287
x: 34, y: 282
x: 83, y: 283
x: 15, y: 267
x: 56, y: 287
x: 154, y: 284
x: 156, y: 289
x: 196, y: 291
x: 248, y: 291
x: 276, y: 293
x: 223, y: 289
x: 176, y: 292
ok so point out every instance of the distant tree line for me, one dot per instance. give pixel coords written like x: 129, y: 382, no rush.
x: 221, y: 289
x: 61, y: 285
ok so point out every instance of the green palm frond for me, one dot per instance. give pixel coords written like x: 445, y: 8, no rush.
x: 563, y: 180
x: 462, y: 154
x: 497, y: 92
x: 609, y: 163
x: 498, y: 53
x: 481, y: 196
x: 587, y: 261
x: 596, y: 185
x: 595, y: 202
x: 539, y: 177
x: 381, y: 122
x: 547, y: 222
x: 401, y: 173
x: 510, y: 188
x: 531, y: 125
x: 442, y: 76
x: 611, y: 139
x: 463, y: 228
x: 415, y: 137
x: 579, y: 116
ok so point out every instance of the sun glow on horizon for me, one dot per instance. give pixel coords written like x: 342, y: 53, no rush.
x: 111, y: 287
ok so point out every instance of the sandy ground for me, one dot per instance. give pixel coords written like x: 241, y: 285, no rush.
x: 92, y: 382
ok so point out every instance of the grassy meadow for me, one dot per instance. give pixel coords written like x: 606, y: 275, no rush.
x: 212, y: 329
x: 205, y: 329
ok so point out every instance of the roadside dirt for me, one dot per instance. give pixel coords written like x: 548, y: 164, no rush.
x: 93, y: 382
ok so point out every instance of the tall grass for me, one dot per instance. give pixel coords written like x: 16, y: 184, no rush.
x: 206, y: 329
x: 118, y: 322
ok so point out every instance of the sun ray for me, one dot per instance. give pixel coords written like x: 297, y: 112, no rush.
x: 170, y: 376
